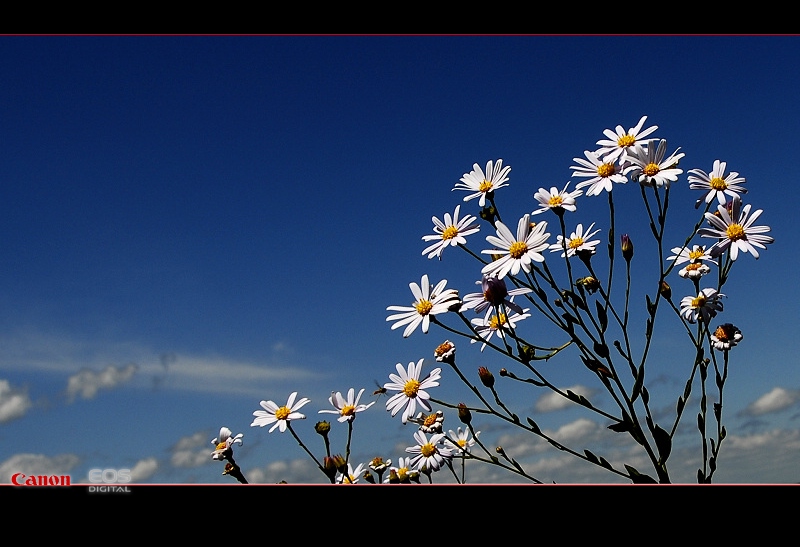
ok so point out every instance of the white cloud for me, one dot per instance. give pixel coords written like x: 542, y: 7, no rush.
x: 192, y: 451
x: 37, y: 464
x: 39, y: 352
x: 553, y: 401
x: 13, y: 403
x: 777, y: 399
x: 144, y: 469
x: 86, y: 383
x: 297, y: 471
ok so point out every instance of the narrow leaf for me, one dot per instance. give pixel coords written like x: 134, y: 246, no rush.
x: 602, y: 316
x: 637, y: 385
x: 639, y: 478
x: 663, y: 442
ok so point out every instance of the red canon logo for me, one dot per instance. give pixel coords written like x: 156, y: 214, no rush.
x: 21, y: 479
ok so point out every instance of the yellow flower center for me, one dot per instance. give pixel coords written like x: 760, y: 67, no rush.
x: 692, y: 267
x: 651, y: 169
x: 495, y: 322
x: 427, y: 450
x: 517, y: 249
x: 411, y: 388
x: 555, y: 201
x: 442, y: 349
x: 699, y: 302
x: 722, y: 334
x: 450, y: 232
x: 462, y: 443
x: 734, y: 232
x: 429, y: 420
x: 606, y: 170
x: 485, y: 186
x: 694, y: 255
x: 625, y: 141
x: 402, y: 473
x: 348, y: 410
x: 575, y: 243
x: 282, y: 413
x: 348, y: 479
x: 718, y: 183
x: 222, y: 446
x: 423, y: 307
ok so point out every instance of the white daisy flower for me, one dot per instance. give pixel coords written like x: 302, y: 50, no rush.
x: 698, y: 253
x: 482, y: 184
x: 602, y: 174
x: 412, y: 389
x: 578, y: 241
x: 460, y: 441
x: 224, y: 443
x: 494, y: 294
x: 445, y: 352
x: 694, y: 270
x: 649, y: 167
x: 280, y: 415
x: 516, y: 253
x: 428, y: 454
x: 556, y: 200
x: 618, y: 143
x: 346, y: 408
x: 352, y: 474
x: 430, y: 423
x: 379, y: 465
x: 726, y: 336
x: 735, y: 231
x: 705, y: 305
x: 404, y: 472
x: 717, y: 183
x: 428, y: 302
x: 491, y: 323
x: 449, y: 232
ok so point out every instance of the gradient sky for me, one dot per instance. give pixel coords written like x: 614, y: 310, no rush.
x: 191, y: 225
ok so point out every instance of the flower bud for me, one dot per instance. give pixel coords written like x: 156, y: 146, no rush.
x: 589, y: 283
x: 487, y: 378
x: 503, y: 372
x: 329, y: 467
x: 368, y: 477
x: 627, y: 247
x: 337, y: 463
x: 322, y: 428
x: 464, y: 414
x: 494, y: 290
x: 665, y: 290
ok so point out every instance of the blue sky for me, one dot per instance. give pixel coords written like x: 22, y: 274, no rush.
x: 191, y: 225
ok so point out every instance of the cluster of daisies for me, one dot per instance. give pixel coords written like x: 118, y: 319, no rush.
x: 622, y: 156
x: 433, y: 449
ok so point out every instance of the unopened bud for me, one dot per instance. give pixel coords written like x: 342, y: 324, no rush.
x: 503, y: 372
x: 589, y: 283
x: 627, y: 247
x: 487, y: 378
x: 464, y: 414
x: 665, y: 290
x: 322, y: 428
x: 494, y: 290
